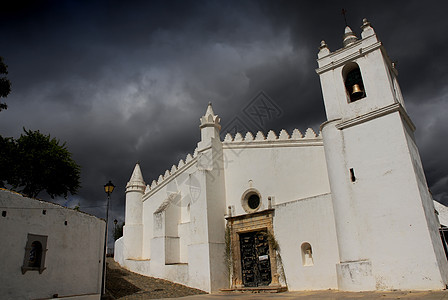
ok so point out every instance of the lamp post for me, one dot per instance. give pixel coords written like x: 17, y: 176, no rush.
x: 108, y: 188
x: 115, y: 228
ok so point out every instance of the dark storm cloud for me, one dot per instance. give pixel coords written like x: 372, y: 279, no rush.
x: 123, y: 82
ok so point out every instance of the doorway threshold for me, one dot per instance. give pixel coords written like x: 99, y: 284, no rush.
x: 258, y: 289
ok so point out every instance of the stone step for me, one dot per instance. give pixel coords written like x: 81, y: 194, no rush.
x: 259, y: 289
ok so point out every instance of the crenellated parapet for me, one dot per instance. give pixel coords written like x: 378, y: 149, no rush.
x: 271, y: 137
x: 310, y: 137
x: 171, y: 173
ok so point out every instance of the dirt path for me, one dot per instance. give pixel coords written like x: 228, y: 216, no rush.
x: 126, y: 285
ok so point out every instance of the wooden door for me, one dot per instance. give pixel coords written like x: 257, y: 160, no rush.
x: 255, y: 261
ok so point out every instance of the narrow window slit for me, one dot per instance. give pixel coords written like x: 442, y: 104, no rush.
x: 352, y: 175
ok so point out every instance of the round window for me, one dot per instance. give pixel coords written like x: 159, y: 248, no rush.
x: 251, y: 200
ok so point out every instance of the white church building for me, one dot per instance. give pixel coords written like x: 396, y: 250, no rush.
x: 348, y: 208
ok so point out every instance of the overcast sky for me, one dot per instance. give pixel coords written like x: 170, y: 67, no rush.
x: 127, y: 81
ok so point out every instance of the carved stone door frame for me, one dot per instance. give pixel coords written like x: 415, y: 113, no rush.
x: 257, y: 221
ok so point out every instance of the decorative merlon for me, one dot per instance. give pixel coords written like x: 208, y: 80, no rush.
x: 296, y: 134
x: 181, y: 164
x: 249, y: 136
x: 238, y: 137
x: 284, y: 135
x: 271, y: 136
x: 310, y: 134
x: 260, y: 136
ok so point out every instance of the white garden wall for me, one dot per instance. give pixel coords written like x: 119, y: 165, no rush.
x: 73, y: 261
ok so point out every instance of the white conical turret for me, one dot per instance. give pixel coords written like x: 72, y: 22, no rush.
x: 133, y: 230
x: 136, y: 183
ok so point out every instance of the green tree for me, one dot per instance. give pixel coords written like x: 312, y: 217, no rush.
x: 8, y: 166
x: 36, y: 162
x: 5, y: 84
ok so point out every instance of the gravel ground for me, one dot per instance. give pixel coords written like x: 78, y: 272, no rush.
x: 126, y: 285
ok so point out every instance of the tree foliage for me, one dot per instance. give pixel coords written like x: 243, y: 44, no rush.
x: 5, y: 84
x: 36, y: 162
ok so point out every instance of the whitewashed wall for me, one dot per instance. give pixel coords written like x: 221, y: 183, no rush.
x: 166, y: 234
x: 73, y: 261
x: 310, y: 221
x: 184, y: 210
x: 286, y: 170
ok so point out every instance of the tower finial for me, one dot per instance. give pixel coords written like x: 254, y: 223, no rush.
x: 323, y: 49
x: 323, y: 44
x: 349, y: 37
x: 365, y: 23
x: 367, y: 29
x: 209, y: 110
x: 344, y: 11
x: 210, y: 118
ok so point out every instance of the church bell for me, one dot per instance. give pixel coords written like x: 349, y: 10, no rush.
x: 357, y: 92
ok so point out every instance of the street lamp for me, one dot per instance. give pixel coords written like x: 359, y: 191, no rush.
x: 108, y: 188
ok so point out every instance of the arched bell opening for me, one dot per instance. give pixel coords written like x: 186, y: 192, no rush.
x: 354, y: 85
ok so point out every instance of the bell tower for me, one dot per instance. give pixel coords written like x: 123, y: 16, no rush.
x: 386, y: 227
x: 359, y: 78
